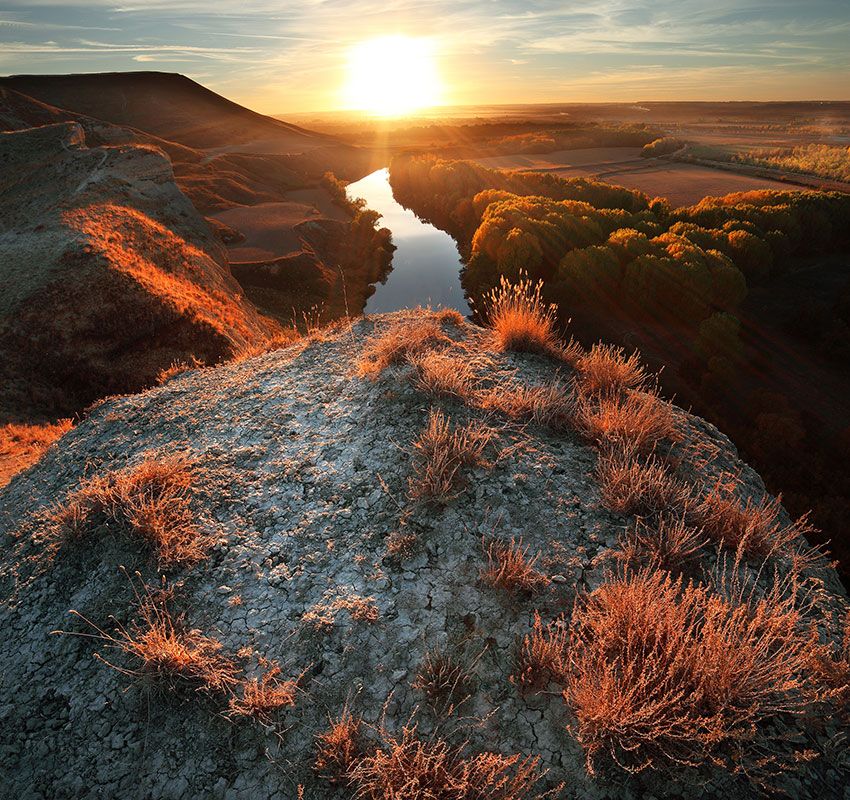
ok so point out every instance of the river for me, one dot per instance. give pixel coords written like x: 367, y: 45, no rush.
x: 426, y: 264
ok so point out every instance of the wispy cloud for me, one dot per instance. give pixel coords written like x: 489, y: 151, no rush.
x: 292, y: 55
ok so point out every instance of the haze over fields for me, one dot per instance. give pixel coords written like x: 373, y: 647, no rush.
x: 424, y: 401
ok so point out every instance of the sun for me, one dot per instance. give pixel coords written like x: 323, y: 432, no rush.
x: 392, y: 76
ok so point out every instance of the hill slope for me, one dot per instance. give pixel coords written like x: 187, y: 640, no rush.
x: 167, y: 105
x: 109, y: 274
x: 319, y: 562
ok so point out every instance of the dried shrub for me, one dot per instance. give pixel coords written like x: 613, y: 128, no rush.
x: 510, y: 568
x: 397, y: 343
x: 548, y: 405
x: 607, y: 370
x: 283, y: 338
x: 754, y: 528
x: 151, y: 501
x: 543, y: 655
x: 635, y: 421
x: 163, y: 650
x: 401, y: 544
x: 520, y: 319
x: 665, y: 674
x: 339, y: 747
x: 440, y: 454
x: 444, y: 681
x: 407, y: 767
x: 442, y: 374
x: 360, y: 609
x: 630, y: 485
x: 262, y: 698
x: 830, y: 668
x: 668, y: 542
x: 177, y: 368
x: 450, y: 315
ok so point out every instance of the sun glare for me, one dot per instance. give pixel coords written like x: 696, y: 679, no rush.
x: 392, y: 76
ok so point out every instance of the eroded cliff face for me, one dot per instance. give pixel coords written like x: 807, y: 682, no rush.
x: 325, y: 556
x: 109, y: 274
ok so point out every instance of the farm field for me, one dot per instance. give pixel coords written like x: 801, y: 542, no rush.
x: 682, y: 184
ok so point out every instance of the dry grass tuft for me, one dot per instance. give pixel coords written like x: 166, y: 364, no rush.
x: 399, y: 342
x: 543, y: 655
x: 283, y: 338
x: 548, y: 405
x: 635, y: 421
x: 442, y: 374
x: 339, y: 747
x: 510, y: 569
x: 450, y: 315
x: 444, y: 681
x: 831, y: 671
x: 440, y: 454
x: 162, y: 649
x: 177, y: 368
x: 666, y: 674
x: 408, y: 767
x: 520, y: 319
x: 668, y: 542
x: 607, y: 370
x: 401, y: 543
x: 151, y: 501
x: 756, y: 529
x: 262, y: 698
x: 323, y: 615
x: 638, y: 486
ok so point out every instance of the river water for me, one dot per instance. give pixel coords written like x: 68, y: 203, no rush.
x: 426, y: 263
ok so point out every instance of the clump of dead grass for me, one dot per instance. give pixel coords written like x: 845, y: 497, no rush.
x: 510, y: 568
x: 284, y: 337
x: 441, y: 453
x: 542, y: 656
x: 607, y: 370
x: 443, y: 374
x: 635, y: 421
x: 665, y: 674
x: 667, y: 542
x: 831, y: 671
x: 549, y: 405
x: 397, y: 343
x: 151, y: 501
x: 162, y: 649
x: 449, y: 315
x: 633, y: 485
x: 520, y: 318
x: 261, y: 698
x: 406, y: 766
x: 177, y: 368
x: 444, y: 680
x: 323, y: 615
x: 401, y: 543
x: 339, y: 747
x: 755, y: 528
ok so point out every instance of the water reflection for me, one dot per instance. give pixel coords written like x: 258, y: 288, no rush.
x: 426, y: 264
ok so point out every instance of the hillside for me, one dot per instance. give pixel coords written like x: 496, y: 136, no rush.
x: 109, y: 274
x: 334, y: 546
x: 167, y: 105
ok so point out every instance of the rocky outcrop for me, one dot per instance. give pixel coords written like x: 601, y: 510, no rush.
x: 109, y: 274
x: 319, y: 562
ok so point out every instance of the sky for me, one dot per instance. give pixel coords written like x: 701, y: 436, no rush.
x: 292, y: 55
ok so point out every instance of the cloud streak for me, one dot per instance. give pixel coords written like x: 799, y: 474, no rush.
x: 291, y: 56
